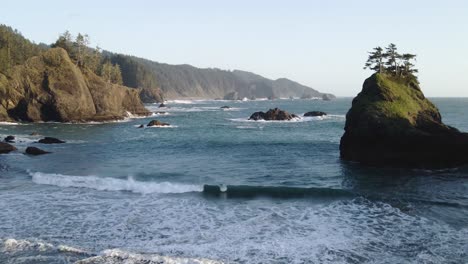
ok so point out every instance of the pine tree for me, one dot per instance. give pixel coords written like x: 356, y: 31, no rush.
x: 392, y: 58
x: 407, y: 64
x: 116, y: 75
x: 375, y: 60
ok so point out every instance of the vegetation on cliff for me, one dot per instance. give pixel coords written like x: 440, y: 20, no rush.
x: 392, y: 123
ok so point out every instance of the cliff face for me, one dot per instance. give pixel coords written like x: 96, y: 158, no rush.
x: 49, y: 87
x: 391, y: 123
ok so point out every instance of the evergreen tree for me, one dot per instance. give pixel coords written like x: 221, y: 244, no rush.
x: 407, y: 64
x: 375, y: 60
x: 392, y: 58
x: 116, y: 75
x: 81, y: 44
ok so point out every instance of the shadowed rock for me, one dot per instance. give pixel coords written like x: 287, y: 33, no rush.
x: 315, y: 113
x: 9, y: 139
x: 51, y: 140
x: 391, y: 123
x: 35, y: 151
x: 225, y: 107
x: 6, y: 148
x: 273, y: 114
x: 157, y: 123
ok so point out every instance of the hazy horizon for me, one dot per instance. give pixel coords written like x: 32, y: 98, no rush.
x: 321, y: 45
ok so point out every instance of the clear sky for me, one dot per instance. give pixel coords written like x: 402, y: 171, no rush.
x: 321, y: 44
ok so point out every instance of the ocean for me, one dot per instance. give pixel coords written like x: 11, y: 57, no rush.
x: 216, y: 188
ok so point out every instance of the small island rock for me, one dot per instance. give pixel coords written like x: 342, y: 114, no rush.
x: 391, y: 123
x: 225, y: 107
x: 35, y: 151
x: 315, y: 113
x: 157, y: 123
x: 6, y: 148
x: 273, y: 114
x: 51, y: 140
x: 9, y: 139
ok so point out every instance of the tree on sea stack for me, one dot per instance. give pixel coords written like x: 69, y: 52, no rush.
x: 391, y: 122
x: 391, y: 62
x: 375, y: 60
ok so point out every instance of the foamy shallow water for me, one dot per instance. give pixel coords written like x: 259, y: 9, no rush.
x: 119, y: 194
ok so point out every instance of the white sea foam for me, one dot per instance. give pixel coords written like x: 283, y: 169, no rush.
x: 299, y: 119
x: 121, y: 256
x: 9, y: 124
x: 112, y: 184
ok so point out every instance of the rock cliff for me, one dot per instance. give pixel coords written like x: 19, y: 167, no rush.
x: 391, y: 123
x: 50, y: 87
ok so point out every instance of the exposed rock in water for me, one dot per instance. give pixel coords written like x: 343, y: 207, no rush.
x: 35, y: 151
x: 6, y: 148
x: 232, y: 96
x: 34, y: 134
x: 162, y: 105
x: 272, y: 114
x: 51, y: 140
x: 315, y: 113
x: 141, y: 126
x: 327, y: 97
x: 157, y: 123
x: 391, y: 123
x: 9, y: 139
x: 225, y: 107
x: 50, y: 87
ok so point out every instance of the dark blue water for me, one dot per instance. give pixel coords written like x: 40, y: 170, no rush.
x: 216, y: 187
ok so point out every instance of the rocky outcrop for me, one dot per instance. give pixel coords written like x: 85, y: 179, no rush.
x: 391, y: 123
x: 35, y: 151
x: 50, y: 87
x: 157, y: 123
x: 273, y: 114
x: 51, y: 140
x: 9, y: 139
x: 6, y: 148
x: 315, y: 113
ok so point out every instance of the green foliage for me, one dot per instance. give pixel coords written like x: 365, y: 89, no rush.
x: 391, y: 62
x: 111, y: 73
x: 134, y: 73
x: 15, y: 49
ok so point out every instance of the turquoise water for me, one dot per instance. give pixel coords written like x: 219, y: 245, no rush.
x: 214, y: 186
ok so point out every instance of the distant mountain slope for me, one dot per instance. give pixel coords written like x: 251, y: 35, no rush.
x: 186, y: 81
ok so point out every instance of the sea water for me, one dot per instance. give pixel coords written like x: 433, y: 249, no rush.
x: 215, y: 187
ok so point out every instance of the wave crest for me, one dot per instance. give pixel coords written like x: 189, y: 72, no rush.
x: 112, y: 184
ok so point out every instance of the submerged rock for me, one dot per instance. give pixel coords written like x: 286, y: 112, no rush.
x: 35, y: 151
x: 9, y: 139
x: 391, y: 123
x: 315, y: 113
x: 273, y: 114
x: 157, y: 123
x: 6, y: 148
x: 51, y: 140
x: 225, y: 107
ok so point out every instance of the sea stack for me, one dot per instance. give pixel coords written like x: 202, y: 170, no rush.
x: 391, y: 123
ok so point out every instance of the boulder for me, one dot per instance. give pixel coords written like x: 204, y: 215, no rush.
x: 162, y: 105
x: 51, y: 140
x: 9, y: 139
x: 157, y: 123
x: 315, y: 113
x: 141, y: 126
x: 6, y: 148
x: 35, y: 151
x: 391, y: 123
x: 273, y: 114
